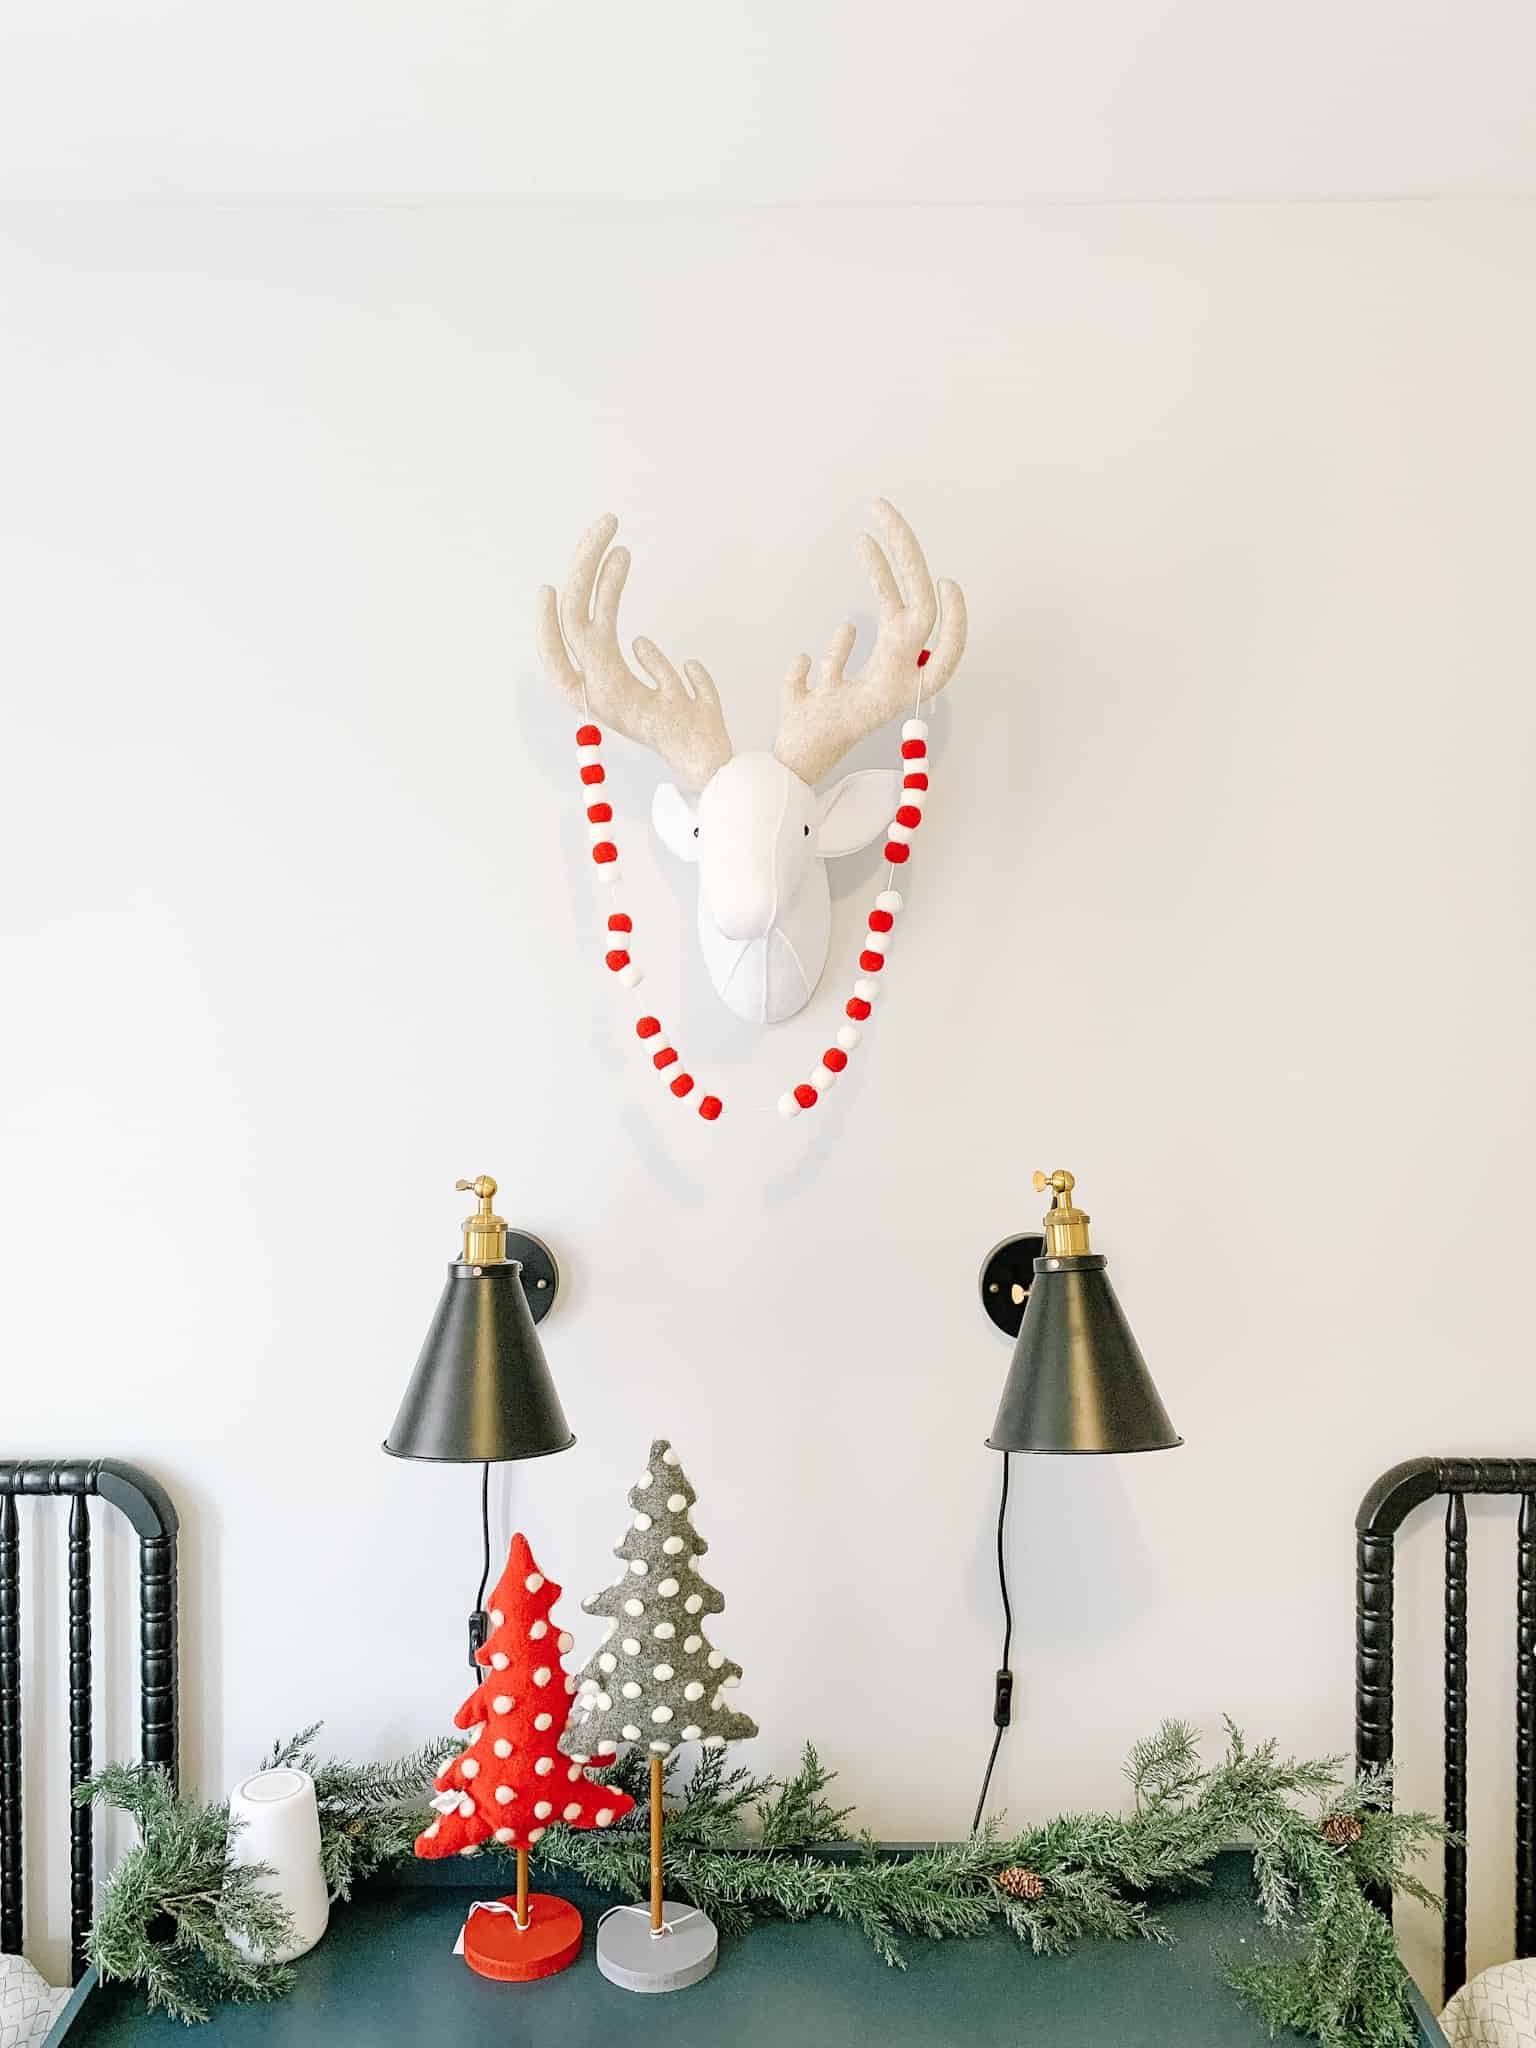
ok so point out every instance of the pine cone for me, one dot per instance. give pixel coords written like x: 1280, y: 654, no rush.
x: 1020, y: 1883
x: 1341, y: 1830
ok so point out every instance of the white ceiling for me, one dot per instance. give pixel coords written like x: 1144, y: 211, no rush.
x: 777, y: 101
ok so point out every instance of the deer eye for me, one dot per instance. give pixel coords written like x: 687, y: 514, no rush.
x: 695, y: 831
x: 807, y: 830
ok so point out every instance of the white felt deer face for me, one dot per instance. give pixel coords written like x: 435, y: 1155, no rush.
x: 757, y: 830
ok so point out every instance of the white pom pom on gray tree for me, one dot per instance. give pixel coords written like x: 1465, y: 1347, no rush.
x: 657, y: 1680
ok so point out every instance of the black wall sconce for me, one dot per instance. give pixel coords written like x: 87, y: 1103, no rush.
x: 482, y: 1393
x: 1077, y: 1383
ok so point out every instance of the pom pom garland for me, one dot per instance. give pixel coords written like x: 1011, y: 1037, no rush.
x: 874, y: 946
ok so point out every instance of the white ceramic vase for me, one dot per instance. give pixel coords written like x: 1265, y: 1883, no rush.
x: 282, y: 1828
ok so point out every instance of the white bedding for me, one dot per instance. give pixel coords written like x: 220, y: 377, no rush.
x: 28, y: 2004
x: 1496, y: 2010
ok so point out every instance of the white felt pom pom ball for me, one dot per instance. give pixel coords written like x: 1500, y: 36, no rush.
x: 888, y: 899
x: 866, y: 991
x: 822, y: 1078
x: 914, y: 729
x: 788, y: 1106
x: 897, y: 831
x: 631, y: 976
x: 876, y: 942
x: 848, y: 1036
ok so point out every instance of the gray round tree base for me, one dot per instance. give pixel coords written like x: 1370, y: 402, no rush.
x: 628, y: 1954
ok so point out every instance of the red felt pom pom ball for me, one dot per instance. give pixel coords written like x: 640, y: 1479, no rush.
x: 710, y: 1108
x: 879, y: 920
x: 647, y: 1027
x: 589, y: 735
x: 805, y: 1095
x: 857, y: 1008
x: 896, y: 852
x: 834, y: 1059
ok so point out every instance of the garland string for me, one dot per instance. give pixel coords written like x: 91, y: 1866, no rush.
x: 618, y: 933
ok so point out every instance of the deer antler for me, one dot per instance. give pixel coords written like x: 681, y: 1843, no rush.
x: 818, y: 725
x: 681, y: 722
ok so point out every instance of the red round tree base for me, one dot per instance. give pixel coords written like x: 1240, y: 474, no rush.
x: 495, y: 1946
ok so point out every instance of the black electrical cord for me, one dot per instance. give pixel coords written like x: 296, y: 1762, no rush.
x: 477, y: 1619
x: 1002, y: 1696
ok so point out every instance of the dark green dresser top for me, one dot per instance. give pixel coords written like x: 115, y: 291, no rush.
x: 386, y: 1973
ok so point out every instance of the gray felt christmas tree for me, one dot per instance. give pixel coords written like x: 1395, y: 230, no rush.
x: 656, y: 1681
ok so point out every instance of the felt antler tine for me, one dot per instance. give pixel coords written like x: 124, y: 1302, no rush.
x: 578, y: 636
x: 835, y: 661
x: 819, y: 726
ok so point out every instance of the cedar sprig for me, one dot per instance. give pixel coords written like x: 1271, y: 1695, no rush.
x: 179, y: 1915
x: 369, y: 1812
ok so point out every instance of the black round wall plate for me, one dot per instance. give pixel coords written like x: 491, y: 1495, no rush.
x: 1007, y: 1274
x: 541, y: 1271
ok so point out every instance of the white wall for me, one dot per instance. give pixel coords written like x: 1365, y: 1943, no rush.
x: 1225, y: 903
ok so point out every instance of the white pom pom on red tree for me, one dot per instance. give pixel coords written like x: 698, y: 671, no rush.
x: 510, y: 1781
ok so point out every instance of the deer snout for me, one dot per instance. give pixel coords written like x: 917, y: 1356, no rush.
x: 754, y: 846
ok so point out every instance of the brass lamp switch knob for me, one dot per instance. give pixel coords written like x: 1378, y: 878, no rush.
x: 1066, y: 1226
x: 485, y: 1233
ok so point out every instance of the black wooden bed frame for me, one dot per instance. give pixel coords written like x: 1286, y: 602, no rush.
x: 1382, y: 1513
x: 148, y: 1509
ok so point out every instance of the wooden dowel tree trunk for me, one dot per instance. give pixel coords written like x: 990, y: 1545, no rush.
x: 522, y: 1888
x: 656, y: 1770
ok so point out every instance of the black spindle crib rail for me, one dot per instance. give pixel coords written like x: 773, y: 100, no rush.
x: 153, y: 1519
x: 1382, y: 1513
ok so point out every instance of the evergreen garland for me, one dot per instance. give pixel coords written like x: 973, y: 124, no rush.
x: 745, y: 1847
x: 181, y: 1917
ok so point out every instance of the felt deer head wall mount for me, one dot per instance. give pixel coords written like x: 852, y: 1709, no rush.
x: 754, y: 824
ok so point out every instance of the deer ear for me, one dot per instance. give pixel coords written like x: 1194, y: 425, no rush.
x: 855, y: 811
x: 676, y: 821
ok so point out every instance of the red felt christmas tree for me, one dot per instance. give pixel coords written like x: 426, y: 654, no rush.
x: 511, y: 1779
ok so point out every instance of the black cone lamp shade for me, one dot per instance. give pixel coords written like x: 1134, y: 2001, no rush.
x: 481, y: 1392
x: 1078, y: 1382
